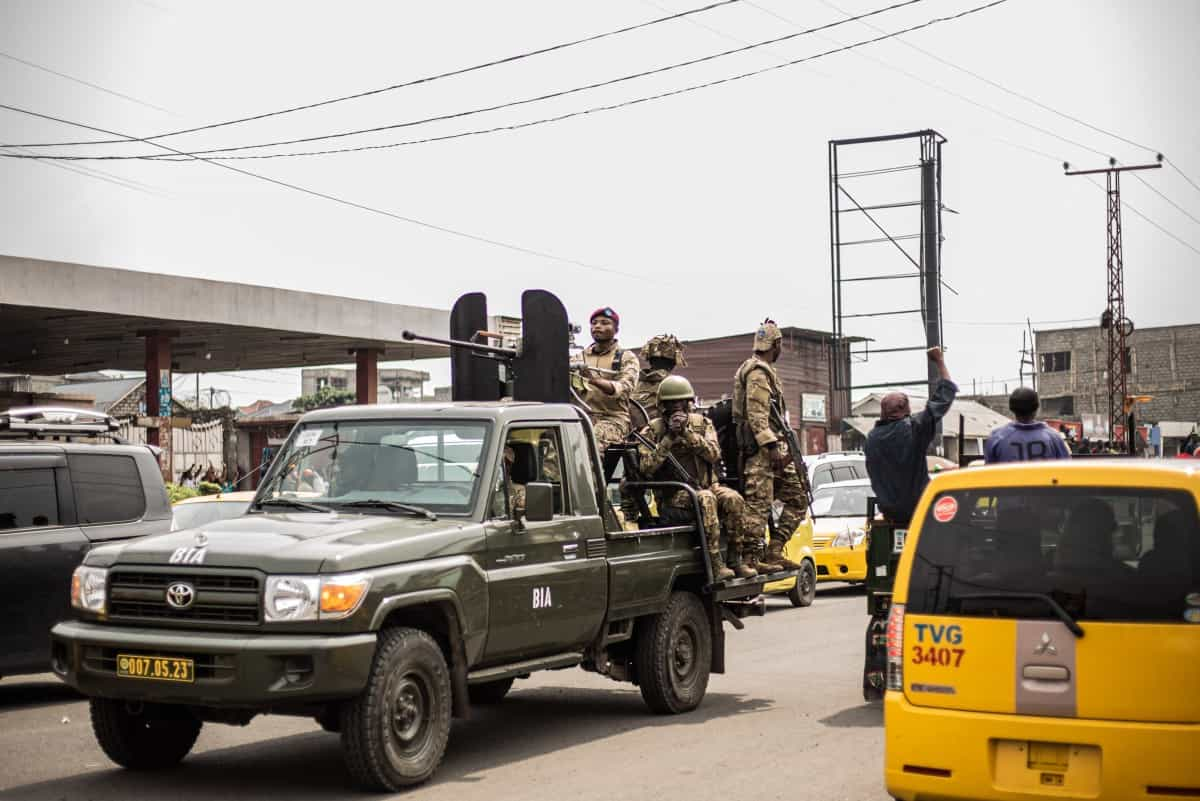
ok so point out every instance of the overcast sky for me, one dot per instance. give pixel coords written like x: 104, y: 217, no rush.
x: 697, y: 214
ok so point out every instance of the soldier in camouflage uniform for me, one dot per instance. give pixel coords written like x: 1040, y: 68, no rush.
x: 768, y: 473
x: 664, y: 353
x: 692, y: 440
x: 608, y: 398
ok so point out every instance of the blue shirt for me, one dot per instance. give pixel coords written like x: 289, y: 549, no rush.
x: 895, y: 451
x: 1025, y: 442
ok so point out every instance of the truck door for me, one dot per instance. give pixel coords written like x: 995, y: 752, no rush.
x: 40, y: 545
x: 545, y: 595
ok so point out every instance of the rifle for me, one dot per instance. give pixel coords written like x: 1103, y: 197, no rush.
x: 789, y: 436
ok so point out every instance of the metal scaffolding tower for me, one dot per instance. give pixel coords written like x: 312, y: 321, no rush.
x: 927, y: 265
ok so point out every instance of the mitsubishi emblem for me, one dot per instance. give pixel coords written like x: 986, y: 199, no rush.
x: 1045, y: 647
x: 201, y: 539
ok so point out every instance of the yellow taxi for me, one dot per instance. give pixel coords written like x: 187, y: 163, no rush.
x: 839, y: 529
x: 1044, y: 636
x: 801, y: 589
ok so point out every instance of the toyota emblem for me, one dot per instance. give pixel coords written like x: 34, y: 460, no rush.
x: 180, y: 595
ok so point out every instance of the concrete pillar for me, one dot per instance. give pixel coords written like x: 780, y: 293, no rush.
x: 158, y: 395
x: 366, y: 375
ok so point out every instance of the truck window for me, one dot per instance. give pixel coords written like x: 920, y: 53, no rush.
x: 1120, y: 554
x: 108, y: 488
x: 28, y: 498
x: 531, y: 454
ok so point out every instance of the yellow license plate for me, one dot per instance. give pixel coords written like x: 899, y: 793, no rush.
x: 157, y: 668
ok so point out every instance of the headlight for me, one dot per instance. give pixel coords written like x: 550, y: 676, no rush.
x: 290, y: 598
x: 88, y: 589
x: 842, y: 540
x: 857, y: 535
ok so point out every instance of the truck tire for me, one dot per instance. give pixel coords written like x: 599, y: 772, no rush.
x: 491, y: 692
x: 394, y: 733
x: 804, y: 590
x: 141, y: 736
x: 674, y: 655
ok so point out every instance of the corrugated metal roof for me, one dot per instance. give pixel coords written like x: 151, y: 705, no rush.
x: 106, y: 393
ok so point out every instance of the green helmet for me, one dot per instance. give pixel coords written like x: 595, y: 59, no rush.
x: 675, y: 387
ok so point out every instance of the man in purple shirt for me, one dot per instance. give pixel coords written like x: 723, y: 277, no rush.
x: 1026, y: 439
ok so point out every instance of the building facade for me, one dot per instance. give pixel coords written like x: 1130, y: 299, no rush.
x: 805, y: 367
x: 401, y: 385
x: 1163, y: 362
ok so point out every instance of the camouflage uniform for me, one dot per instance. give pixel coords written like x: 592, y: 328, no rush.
x: 756, y: 386
x: 665, y: 346
x: 610, y: 413
x: 698, y: 451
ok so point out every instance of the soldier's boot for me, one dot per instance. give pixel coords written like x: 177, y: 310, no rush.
x: 720, y: 572
x: 775, y: 556
x: 760, y: 564
x: 734, y: 559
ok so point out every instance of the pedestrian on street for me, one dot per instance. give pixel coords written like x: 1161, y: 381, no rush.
x: 896, y: 447
x: 1026, y: 439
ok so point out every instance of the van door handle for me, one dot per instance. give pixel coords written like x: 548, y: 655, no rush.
x: 1046, y: 673
x: 570, y: 551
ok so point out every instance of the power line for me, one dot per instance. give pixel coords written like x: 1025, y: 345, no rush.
x: 523, y: 101
x: 1125, y: 203
x: 88, y: 84
x: 405, y: 84
x: 335, y: 199
x: 1003, y: 88
x: 583, y: 112
x: 101, y: 175
x: 1181, y: 209
x: 943, y: 89
x: 1186, y: 177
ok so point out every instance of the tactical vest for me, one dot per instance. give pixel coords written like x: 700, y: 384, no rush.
x: 600, y: 403
x: 700, y: 471
x: 739, y: 386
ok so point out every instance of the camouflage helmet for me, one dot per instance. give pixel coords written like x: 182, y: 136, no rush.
x: 767, y: 335
x: 675, y: 387
x: 665, y: 346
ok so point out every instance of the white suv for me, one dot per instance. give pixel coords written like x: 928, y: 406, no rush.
x: 824, y: 468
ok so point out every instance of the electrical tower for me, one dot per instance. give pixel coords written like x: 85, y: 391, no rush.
x: 1114, y: 321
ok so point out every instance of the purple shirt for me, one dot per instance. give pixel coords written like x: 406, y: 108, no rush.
x: 1025, y: 442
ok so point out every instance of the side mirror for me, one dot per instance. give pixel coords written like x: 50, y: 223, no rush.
x: 539, y: 501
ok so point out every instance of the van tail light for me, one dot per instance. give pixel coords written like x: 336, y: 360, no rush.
x: 895, y: 648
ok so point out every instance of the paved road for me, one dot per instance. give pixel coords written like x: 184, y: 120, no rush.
x: 786, y: 721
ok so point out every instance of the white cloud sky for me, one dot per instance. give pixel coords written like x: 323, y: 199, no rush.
x: 718, y: 198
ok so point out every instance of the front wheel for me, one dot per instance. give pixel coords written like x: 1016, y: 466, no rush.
x: 674, y: 655
x: 394, y: 734
x: 804, y: 591
x: 142, y: 736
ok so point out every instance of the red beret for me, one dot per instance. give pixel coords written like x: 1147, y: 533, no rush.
x: 606, y: 311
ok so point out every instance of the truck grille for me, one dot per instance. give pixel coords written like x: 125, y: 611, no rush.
x: 219, y: 597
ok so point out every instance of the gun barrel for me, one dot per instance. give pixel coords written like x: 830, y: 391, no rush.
x: 602, y: 371
x: 507, y: 353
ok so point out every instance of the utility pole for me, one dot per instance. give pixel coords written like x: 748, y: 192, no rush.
x: 1028, y: 357
x: 1118, y: 326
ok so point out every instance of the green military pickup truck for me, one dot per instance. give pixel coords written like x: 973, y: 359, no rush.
x: 381, y: 584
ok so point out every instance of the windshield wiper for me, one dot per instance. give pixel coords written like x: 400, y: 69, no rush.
x: 394, y: 506
x: 293, y: 503
x: 1058, y: 611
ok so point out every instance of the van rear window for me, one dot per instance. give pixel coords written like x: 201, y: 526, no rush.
x: 1099, y: 553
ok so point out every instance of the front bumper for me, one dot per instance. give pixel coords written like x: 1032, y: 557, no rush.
x: 949, y: 754
x: 232, y: 669
x: 841, y: 564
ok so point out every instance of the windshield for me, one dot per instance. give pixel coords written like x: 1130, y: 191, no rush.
x: 430, y: 464
x: 1099, y: 553
x: 834, y: 501
x: 190, y: 515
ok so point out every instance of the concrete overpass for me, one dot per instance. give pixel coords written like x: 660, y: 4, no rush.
x: 58, y: 317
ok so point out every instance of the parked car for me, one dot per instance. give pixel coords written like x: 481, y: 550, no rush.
x: 205, y: 509
x: 58, y: 499
x: 1044, y: 635
x: 839, y: 524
